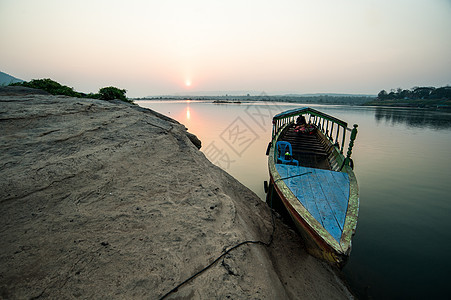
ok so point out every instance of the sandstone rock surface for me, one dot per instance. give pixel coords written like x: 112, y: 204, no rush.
x: 107, y: 200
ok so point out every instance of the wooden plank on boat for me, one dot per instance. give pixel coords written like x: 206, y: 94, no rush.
x: 333, y: 184
x: 305, y: 193
x: 320, y: 153
x: 321, y: 192
x: 327, y: 217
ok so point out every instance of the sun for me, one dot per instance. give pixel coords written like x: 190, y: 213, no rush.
x: 188, y: 83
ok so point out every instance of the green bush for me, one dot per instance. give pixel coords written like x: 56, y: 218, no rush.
x: 50, y: 86
x: 111, y: 93
x: 54, y: 88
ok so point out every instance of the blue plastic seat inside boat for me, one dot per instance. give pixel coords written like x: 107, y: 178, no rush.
x: 282, y: 148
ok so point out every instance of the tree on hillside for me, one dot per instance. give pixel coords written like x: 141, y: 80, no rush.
x: 422, y: 92
x: 404, y: 94
x: 382, y: 95
x: 443, y: 92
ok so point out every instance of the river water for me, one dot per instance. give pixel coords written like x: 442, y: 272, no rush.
x: 402, y: 162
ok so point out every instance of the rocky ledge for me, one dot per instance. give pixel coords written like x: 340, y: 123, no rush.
x: 102, y: 199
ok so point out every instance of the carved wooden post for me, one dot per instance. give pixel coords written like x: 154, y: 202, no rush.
x: 351, y: 144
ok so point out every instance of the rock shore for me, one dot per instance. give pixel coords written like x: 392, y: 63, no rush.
x: 108, y: 200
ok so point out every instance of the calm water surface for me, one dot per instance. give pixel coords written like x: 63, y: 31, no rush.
x: 403, y: 167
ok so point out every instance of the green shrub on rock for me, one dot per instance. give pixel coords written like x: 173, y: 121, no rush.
x: 54, y: 88
x: 111, y: 93
x: 50, y: 86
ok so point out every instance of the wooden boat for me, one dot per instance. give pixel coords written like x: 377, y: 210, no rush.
x: 314, y: 180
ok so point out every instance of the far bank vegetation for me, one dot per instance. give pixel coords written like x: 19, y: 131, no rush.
x: 415, y: 97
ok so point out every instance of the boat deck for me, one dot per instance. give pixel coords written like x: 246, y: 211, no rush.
x: 323, y: 193
x: 307, y: 149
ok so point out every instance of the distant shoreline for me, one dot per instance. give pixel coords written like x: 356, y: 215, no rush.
x: 314, y: 99
x: 442, y: 104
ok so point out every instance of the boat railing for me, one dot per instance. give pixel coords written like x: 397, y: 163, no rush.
x: 334, y: 129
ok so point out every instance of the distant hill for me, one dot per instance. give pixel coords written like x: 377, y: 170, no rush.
x: 6, y: 79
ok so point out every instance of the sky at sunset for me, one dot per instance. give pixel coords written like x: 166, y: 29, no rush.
x: 276, y: 47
